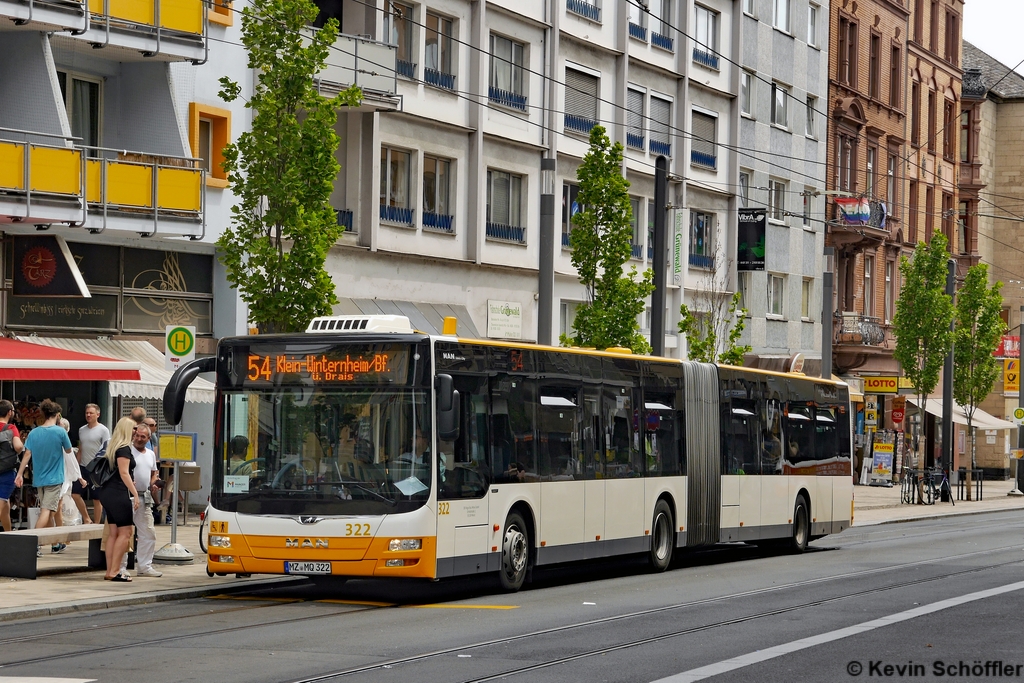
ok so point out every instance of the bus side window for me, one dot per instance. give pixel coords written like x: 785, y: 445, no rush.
x: 466, y: 470
x: 514, y: 441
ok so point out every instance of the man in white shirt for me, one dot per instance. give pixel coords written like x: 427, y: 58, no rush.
x: 91, y: 436
x: 145, y: 478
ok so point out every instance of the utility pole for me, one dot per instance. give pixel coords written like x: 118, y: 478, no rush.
x: 660, y: 265
x: 827, y: 330
x: 947, y: 380
x: 546, y: 270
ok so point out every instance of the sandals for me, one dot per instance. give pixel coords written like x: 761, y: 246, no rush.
x: 119, y: 578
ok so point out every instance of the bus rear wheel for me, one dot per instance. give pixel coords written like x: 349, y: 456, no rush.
x: 515, y: 553
x: 662, y: 537
x: 801, y: 526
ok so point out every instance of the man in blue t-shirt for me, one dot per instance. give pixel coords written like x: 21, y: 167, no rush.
x: 47, y: 445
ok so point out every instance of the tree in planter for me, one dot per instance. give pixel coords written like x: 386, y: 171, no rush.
x: 976, y: 333
x: 601, y: 241
x: 283, y: 170
x: 924, y: 313
x: 713, y: 332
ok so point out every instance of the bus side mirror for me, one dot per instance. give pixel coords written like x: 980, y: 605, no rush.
x: 177, y: 387
x: 447, y: 408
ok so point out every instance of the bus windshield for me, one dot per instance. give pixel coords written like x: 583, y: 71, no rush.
x: 305, y: 450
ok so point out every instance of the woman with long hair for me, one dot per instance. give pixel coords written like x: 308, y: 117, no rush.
x: 119, y: 497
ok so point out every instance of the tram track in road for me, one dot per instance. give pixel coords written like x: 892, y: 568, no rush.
x: 89, y: 650
x: 466, y: 648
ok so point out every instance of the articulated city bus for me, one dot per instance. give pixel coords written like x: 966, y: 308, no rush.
x: 363, y: 448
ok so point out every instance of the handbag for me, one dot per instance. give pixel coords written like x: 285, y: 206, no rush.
x: 98, y: 472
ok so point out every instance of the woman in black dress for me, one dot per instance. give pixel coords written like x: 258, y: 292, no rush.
x: 119, y: 497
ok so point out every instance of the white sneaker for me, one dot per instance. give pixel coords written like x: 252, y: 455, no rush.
x: 149, y: 572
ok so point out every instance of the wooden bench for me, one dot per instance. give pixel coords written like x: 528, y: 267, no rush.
x: 18, y: 548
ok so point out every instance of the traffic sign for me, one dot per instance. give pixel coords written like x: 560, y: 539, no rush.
x: 179, y: 345
x: 1018, y: 415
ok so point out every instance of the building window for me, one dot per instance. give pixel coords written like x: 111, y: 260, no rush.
x: 504, y: 197
x: 875, y: 66
x: 808, y: 193
x: 847, y: 52
x: 702, y: 227
x: 964, y: 228
x: 846, y: 162
x: 394, y: 186
x: 705, y: 37
x: 932, y: 117
x: 948, y: 218
x: 892, y: 186
x: 398, y: 31
x: 660, y: 15
x: 743, y: 287
x: 209, y: 133
x: 776, y: 200
x: 919, y: 21
x: 748, y: 7
x: 437, y: 211
x: 570, y: 207
x: 437, y: 55
x: 934, y: 19
x: 812, y: 25
x: 581, y: 91
x: 745, y: 188
x: 869, y: 173
x: 912, y: 228
x: 636, y: 241
x: 948, y: 129
x: 776, y: 294
x: 780, y: 103
x: 661, y: 116
x: 702, y: 144
x: 781, y: 15
x: 806, y: 293
x: 507, y: 85
x: 82, y: 104
x: 895, y: 69
x: 915, y: 114
x: 869, y: 285
x: 635, y: 119
x: 890, y: 268
x: 966, y: 146
x: 952, y: 38
x: 221, y: 12
x: 929, y: 215
x: 812, y: 104
x: 746, y: 92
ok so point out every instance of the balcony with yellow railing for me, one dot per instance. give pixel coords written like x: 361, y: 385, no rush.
x: 97, y: 188
x: 47, y: 15
x: 164, y: 29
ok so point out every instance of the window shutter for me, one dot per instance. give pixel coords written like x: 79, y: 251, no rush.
x: 661, y: 111
x: 635, y: 112
x: 704, y: 133
x: 499, y: 198
x: 581, y: 94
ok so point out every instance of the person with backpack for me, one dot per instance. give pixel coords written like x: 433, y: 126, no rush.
x: 10, y: 447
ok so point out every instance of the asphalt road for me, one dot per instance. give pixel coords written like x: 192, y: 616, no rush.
x: 930, y: 600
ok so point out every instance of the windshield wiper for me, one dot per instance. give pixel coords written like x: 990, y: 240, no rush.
x: 365, y: 487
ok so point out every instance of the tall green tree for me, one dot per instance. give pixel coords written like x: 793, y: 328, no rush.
x: 976, y: 333
x: 924, y: 313
x: 713, y: 332
x: 601, y: 241
x: 282, y: 171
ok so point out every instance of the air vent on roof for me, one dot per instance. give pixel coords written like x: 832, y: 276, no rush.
x: 361, y: 323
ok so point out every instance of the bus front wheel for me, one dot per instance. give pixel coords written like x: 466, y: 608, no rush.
x: 801, y: 526
x: 662, y: 537
x: 515, y: 553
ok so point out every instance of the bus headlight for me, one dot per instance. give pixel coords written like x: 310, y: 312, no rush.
x: 220, y: 541
x: 397, y: 544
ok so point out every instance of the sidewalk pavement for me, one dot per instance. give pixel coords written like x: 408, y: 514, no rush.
x: 66, y: 585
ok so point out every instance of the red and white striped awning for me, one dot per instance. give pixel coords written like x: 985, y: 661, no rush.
x: 24, y: 362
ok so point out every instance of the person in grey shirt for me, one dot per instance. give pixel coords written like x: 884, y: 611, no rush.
x: 91, y: 437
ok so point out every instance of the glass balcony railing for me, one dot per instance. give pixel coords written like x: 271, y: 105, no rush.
x: 360, y: 61
x: 507, y: 233
x: 184, y: 16
x: 108, y: 180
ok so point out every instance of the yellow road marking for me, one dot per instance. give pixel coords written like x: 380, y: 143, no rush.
x: 357, y: 602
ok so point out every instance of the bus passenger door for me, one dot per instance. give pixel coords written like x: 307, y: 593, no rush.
x: 462, y: 481
x: 593, y: 470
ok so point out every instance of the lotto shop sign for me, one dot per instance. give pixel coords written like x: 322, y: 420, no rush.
x: 883, y: 384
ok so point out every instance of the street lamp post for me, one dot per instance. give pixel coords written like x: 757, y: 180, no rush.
x: 1020, y: 430
x: 546, y: 270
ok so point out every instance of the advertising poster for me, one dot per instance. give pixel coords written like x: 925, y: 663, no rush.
x: 881, y: 463
x: 750, y: 239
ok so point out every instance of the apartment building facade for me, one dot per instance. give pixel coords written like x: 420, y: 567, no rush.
x: 783, y: 97
x: 867, y: 128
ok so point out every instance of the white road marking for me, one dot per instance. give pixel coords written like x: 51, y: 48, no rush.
x: 804, y: 643
x: 41, y: 679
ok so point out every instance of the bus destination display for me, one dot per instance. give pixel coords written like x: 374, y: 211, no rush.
x: 359, y: 365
